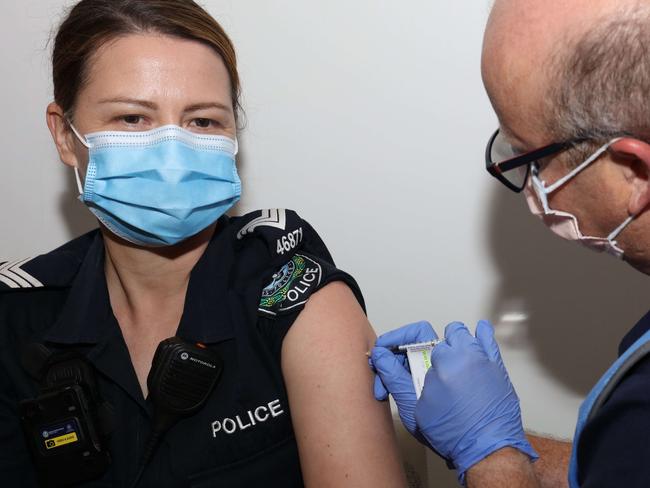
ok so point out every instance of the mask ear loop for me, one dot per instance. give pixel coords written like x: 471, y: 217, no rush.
x: 616, y: 232
x: 579, y: 168
x: 76, y: 133
x: 76, y: 170
x: 80, y: 187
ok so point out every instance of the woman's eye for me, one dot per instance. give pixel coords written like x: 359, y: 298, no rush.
x: 203, y: 123
x: 132, y: 119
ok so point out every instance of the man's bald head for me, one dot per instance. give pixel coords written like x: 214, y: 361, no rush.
x: 579, y: 70
x: 561, y: 69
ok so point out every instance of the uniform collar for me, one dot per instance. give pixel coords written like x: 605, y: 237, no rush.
x: 87, y: 317
x: 207, y: 315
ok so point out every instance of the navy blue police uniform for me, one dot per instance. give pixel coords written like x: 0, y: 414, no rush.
x: 612, y: 447
x: 244, y: 293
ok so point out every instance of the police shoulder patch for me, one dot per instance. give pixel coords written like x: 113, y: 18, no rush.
x: 291, y: 286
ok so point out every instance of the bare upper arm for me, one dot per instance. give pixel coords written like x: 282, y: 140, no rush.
x: 345, y: 437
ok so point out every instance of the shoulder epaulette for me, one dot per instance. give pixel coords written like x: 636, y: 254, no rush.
x: 12, y: 275
x: 275, y: 218
x: 54, y: 269
x: 284, y: 233
x: 296, y: 263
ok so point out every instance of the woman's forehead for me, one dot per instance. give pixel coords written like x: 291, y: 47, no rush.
x: 154, y: 65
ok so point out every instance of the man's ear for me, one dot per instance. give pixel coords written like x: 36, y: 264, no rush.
x: 636, y: 156
x: 62, y: 135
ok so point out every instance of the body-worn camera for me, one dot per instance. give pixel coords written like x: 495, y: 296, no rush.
x: 63, y: 426
x: 66, y: 426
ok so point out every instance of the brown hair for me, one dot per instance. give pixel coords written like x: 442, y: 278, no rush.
x: 600, y: 80
x: 92, y: 23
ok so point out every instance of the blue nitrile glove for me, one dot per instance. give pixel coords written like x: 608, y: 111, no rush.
x: 393, y: 375
x: 469, y: 408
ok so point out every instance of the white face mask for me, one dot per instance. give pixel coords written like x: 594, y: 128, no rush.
x: 565, y: 224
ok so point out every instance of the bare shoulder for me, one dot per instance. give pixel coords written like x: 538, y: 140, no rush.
x: 332, y: 313
x: 345, y: 437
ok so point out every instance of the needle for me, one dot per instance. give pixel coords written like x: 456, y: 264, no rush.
x: 404, y: 347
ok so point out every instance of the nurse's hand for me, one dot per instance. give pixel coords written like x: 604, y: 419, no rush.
x: 393, y: 375
x: 468, y: 408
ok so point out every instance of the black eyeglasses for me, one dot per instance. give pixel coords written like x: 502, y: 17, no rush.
x: 511, y: 168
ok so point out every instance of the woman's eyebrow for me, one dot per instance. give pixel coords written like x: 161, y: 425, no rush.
x: 131, y: 101
x: 153, y: 106
x: 206, y: 105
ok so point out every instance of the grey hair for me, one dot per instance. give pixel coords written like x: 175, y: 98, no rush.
x: 600, y: 82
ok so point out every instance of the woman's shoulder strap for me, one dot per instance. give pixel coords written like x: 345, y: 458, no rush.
x: 53, y: 269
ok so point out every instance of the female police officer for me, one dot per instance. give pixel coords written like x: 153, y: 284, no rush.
x: 145, y: 113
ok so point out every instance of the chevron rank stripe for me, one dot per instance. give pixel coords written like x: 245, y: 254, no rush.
x: 12, y: 275
x: 273, y: 217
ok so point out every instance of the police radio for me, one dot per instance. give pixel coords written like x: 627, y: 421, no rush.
x: 181, y: 378
x: 66, y: 426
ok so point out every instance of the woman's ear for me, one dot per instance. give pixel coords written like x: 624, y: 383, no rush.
x: 62, y: 135
x: 635, y: 154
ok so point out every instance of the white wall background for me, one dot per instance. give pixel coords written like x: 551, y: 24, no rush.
x: 369, y: 117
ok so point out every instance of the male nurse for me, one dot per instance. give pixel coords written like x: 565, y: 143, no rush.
x: 570, y: 83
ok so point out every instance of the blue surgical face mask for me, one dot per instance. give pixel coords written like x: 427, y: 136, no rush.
x: 159, y: 187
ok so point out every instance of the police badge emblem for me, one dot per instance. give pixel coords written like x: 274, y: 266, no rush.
x: 291, y: 286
